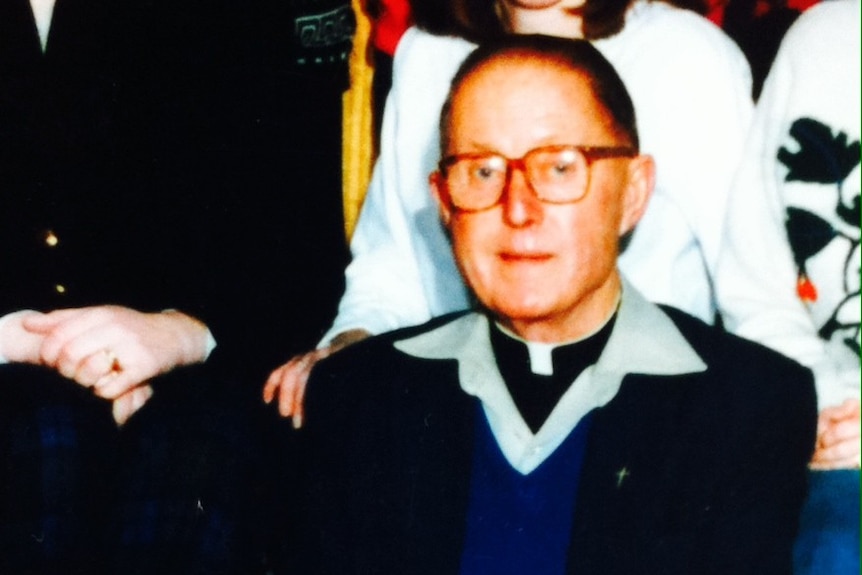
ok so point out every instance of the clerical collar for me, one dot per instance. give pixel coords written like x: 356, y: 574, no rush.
x: 524, y: 365
x: 43, y: 10
x: 541, y: 354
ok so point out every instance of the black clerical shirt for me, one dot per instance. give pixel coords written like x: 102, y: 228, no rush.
x: 536, y: 395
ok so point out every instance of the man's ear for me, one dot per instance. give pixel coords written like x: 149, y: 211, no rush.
x: 435, y: 180
x: 641, y: 182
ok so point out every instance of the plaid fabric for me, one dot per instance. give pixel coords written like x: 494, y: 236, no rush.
x: 176, y: 490
x: 56, y: 442
x: 190, y: 494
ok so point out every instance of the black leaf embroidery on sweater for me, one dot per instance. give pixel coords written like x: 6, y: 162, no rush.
x: 824, y: 158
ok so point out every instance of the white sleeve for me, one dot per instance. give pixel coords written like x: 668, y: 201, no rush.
x: 5, y: 319
x: 708, y: 110
x: 756, y: 277
x: 384, y: 288
x: 723, y: 117
x: 691, y: 87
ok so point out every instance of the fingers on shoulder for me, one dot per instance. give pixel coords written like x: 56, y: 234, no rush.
x: 290, y: 381
x: 294, y: 375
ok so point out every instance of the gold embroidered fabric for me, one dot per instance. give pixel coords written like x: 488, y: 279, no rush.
x: 357, y: 144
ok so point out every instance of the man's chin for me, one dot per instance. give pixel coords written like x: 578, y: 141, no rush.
x: 522, y: 312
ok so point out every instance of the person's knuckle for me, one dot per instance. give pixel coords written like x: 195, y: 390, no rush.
x: 67, y: 354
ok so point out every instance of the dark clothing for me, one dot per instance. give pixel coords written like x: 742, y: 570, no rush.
x: 182, y: 489
x: 758, y: 34
x: 380, y: 85
x: 58, y: 162
x: 56, y: 444
x: 536, y: 395
x: 829, y: 531
x: 237, y: 121
x: 521, y: 523
x: 715, y: 463
x: 163, y: 155
x: 184, y: 155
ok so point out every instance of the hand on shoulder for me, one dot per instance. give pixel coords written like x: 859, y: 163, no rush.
x: 838, y: 436
x: 290, y: 380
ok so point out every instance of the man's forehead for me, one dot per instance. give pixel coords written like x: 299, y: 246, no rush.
x: 528, y: 84
x: 524, y: 61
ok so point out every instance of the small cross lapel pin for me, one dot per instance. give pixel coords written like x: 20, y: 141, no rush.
x: 621, y: 476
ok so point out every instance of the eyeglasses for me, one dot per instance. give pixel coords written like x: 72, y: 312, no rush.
x: 556, y: 174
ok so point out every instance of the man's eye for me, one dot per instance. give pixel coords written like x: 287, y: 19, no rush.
x: 484, y: 173
x: 563, y: 169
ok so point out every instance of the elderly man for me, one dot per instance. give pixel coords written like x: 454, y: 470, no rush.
x: 567, y: 425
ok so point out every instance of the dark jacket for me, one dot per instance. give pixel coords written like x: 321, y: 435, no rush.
x: 716, y: 462
x: 183, y: 155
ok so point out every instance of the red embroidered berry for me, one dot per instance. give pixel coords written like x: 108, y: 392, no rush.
x: 805, y: 289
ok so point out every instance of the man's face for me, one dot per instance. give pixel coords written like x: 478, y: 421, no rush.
x: 547, y: 271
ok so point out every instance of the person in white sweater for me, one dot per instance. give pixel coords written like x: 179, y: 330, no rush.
x: 788, y: 275
x: 691, y: 88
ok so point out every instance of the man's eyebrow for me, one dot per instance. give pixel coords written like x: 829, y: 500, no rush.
x: 470, y: 147
x: 480, y: 145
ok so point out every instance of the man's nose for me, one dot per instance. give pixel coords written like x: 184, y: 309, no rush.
x: 521, y: 205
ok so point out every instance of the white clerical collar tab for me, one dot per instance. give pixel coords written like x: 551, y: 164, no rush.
x: 43, y: 11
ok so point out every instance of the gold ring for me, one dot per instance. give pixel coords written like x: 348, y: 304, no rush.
x: 112, y: 361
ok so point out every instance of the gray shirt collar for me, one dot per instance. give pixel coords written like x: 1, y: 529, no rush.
x: 644, y: 340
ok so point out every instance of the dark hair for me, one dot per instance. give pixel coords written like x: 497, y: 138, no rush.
x: 575, y: 55
x: 603, y: 18
x: 477, y: 20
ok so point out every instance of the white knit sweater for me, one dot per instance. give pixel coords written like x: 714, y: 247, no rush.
x: 789, y: 274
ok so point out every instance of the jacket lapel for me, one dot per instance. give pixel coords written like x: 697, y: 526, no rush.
x: 80, y: 33
x: 19, y: 38
x: 631, y: 508
x: 406, y: 508
x: 439, y: 421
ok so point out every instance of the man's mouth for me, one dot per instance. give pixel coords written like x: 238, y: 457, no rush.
x: 516, y: 257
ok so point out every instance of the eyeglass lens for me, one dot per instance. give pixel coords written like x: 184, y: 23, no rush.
x: 556, y: 175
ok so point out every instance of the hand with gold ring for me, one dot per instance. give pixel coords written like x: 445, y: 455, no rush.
x: 112, y: 364
x: 93, y: 369
x: 115, y: 349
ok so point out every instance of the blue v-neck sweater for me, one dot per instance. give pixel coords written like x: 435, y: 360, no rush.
x: 521, y: 524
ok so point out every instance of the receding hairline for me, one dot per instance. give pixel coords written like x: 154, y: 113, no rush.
x: 529, y: 57
x: 524, y: 58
